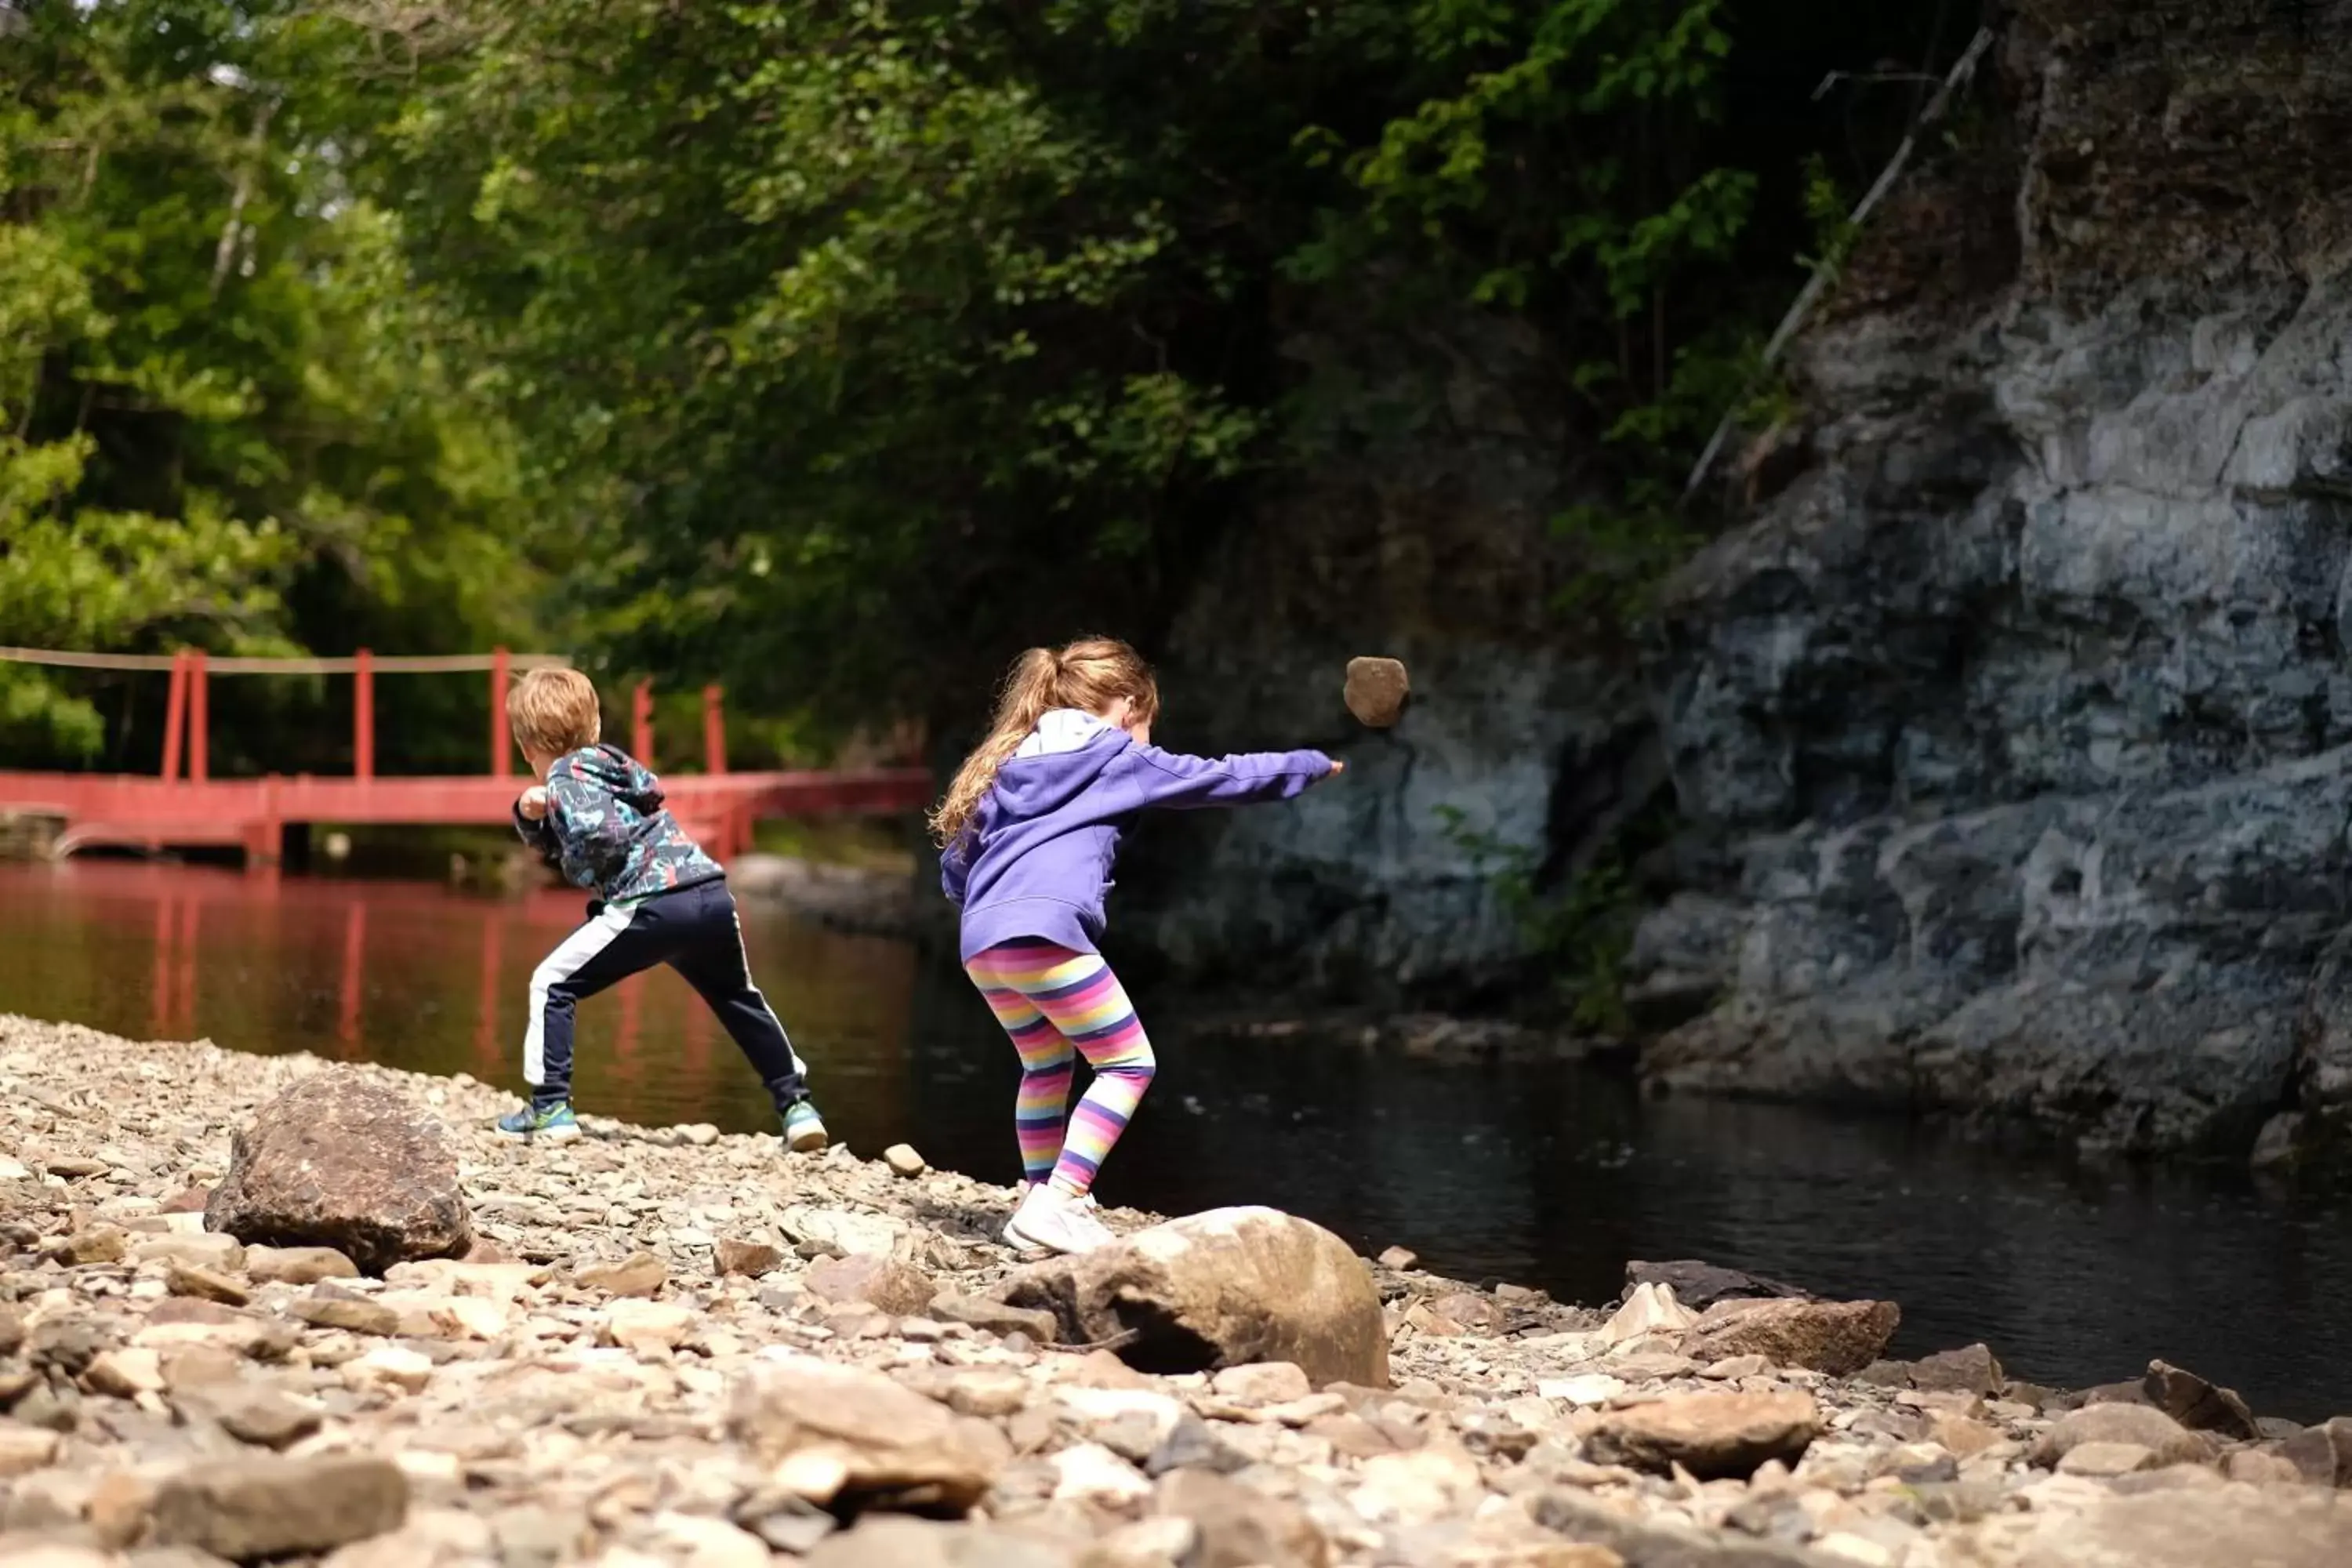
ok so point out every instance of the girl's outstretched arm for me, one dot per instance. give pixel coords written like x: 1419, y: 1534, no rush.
x: 1176, y: 780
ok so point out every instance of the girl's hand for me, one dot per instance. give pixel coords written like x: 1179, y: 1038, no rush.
x: 534, y: 804
x: 1338, y: 767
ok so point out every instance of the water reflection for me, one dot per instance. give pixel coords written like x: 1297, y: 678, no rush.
x: 1543, y: 1174
x: 421, y: 977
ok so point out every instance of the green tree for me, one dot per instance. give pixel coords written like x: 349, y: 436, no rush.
x: 831, y: 348
x: 861, y: 339
x: 223, y: 423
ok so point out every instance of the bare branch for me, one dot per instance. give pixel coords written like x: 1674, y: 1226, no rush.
x: 225, y: 252
x: 1823, y: 273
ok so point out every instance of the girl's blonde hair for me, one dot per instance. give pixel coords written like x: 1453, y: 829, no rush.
x: 1091, y: 674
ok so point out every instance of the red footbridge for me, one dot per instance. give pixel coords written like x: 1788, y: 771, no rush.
x: 173, y: 808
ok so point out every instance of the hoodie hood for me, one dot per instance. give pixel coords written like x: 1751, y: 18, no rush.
x: 617, y: 773
x: 1060, y: 760
x: 606, y: 827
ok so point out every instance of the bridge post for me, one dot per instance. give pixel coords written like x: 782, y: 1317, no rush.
x: 199, y: 719
x: 501, y: 739
x: 714, y: 732
x: 362, y: 715
x: 641, y: 723
x: 175, y: 716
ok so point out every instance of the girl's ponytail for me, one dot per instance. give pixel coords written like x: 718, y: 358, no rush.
x: 1029, y: 692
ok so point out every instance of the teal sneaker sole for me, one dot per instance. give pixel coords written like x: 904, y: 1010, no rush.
x: 556, y: 1132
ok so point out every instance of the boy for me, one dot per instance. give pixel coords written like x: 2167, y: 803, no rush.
x: 598, y: 815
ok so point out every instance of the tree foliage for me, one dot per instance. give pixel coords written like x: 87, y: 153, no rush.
x: 861, y: 335
x: 833, y: 348
x: 222, y: 423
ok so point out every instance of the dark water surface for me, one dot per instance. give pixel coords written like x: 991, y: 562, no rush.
x: 1551, y: 1175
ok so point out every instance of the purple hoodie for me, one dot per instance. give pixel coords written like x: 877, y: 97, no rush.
x: 1034, y: 859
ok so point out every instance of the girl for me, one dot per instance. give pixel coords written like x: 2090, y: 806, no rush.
x: 1027, y: 834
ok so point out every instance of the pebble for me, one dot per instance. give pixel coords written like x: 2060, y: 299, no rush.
x: 297, y: 1265
x: 25, y: 1448
x: 1262, y: 1382
x: 183, y: 1278
x: 389, y: 1366
x: 351, y: 1314
x: 267, y: 1418
x: 254, y: 1508
x: 2106, y: 1460
x: 750, y: 1258
x: 647, y: 1325
x: 126, y: 1373
x: 224, y: 1253
x: 639, y: 1274
x: 1585, y: 1391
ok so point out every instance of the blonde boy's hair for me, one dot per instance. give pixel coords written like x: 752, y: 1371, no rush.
x: 553, y: 711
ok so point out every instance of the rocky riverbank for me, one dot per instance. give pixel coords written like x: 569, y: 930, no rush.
x: 671, y: 1347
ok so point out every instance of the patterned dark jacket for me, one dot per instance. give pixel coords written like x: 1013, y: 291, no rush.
x: 606, y: 829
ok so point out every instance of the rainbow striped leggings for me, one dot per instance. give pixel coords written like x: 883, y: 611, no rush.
x: 1059, y: 1005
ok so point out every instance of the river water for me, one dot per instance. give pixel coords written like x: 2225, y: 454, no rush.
x: 1551, y: 1175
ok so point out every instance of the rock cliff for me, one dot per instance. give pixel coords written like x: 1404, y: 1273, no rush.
x: 1427, y: 541
x: 2015, y: 730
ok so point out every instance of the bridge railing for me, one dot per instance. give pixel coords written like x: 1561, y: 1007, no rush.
x: 161, y: 809
x: 187, y: 719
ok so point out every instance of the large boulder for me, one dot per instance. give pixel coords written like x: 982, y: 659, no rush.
x: 338, y: 1160
x: 846, y: 1439
x: 1839, y: 1338
x: 1222, y: 1289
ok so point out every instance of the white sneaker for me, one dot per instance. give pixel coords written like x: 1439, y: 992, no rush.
x: 1049, y: 1221
x: 1087, y: 1202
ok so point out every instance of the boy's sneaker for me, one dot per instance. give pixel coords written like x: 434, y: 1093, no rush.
x: 554, y: 1122
x: 1051, y: 1221
x: 805, y: 1131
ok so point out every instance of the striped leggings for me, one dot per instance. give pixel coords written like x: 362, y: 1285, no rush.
x: 1058, y: 1005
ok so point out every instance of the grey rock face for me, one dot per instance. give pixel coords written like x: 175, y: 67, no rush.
x: 2019, y: 726
x: 1425, y: 539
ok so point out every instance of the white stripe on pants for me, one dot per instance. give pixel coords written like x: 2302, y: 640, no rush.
x: 571, y: 956
x: 799, y: 1066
